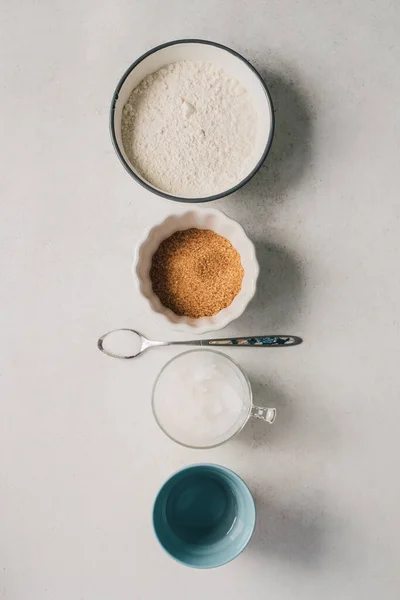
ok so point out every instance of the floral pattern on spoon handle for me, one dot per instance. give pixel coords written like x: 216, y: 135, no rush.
x: 270, y: 340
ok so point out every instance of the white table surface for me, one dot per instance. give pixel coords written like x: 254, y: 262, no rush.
x: 81, y: 457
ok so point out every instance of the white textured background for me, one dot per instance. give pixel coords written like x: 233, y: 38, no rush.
x: 81, y: 457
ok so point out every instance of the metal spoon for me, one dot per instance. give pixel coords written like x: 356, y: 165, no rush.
x: 265, y: 341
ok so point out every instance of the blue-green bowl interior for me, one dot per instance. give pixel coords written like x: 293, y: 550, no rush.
x: 204, y: 516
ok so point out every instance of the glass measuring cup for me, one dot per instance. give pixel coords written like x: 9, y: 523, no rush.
x: 202, y: 398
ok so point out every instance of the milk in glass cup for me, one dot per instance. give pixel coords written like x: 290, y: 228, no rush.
x: 202, y: 398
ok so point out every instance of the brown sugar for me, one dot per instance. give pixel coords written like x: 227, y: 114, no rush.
x: 196, y: 273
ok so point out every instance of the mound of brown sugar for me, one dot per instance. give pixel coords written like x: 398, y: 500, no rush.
x: 196, y: 273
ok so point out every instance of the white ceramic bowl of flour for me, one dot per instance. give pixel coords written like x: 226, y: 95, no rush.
x: 198, y: 218
x: 208, y: 154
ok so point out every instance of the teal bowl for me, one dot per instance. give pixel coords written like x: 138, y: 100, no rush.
x: 204, y: 516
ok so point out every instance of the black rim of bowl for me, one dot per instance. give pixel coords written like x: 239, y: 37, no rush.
x: 160, y: 192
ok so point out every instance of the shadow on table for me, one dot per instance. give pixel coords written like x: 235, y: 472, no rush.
x: 298, y: 428
x: 279, y: 295
x: 293, y: 533
x: 279, y: 290
x: 290, y: 155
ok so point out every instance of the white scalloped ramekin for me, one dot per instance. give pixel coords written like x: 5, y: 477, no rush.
x: 200, y: 218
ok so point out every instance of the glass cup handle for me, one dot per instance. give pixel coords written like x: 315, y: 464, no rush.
x: 265, y: 414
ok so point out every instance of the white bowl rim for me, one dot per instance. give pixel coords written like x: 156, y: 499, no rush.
x: 208, y: 326
x: 144, y: 183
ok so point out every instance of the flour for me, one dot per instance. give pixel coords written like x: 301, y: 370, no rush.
x: 190, y: 130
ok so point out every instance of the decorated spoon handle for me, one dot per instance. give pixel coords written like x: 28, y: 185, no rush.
x: 264, y: 340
